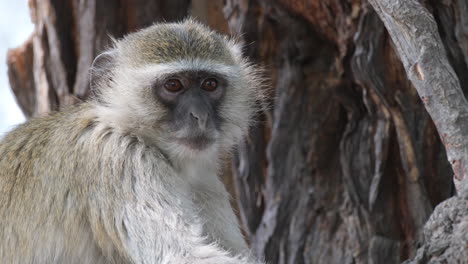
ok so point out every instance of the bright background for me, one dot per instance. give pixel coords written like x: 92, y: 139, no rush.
x: 15, y: 28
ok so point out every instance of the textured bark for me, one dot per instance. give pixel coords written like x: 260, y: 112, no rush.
x: 353, y: 164
x: 414, y: 32
x: 345, y: 167
x: 445, y: 233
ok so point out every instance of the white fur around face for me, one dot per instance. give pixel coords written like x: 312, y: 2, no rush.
x: 131, y: 107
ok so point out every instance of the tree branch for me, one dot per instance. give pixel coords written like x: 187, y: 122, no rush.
x: 414, y: 33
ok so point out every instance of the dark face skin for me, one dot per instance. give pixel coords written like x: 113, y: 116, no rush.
x: 192, y: 99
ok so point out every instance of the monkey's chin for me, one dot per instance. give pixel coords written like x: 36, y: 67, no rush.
x: 199, y: 143
x: 190, y: 149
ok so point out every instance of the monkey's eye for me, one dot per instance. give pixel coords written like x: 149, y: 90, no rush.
x: 210, y: 85
x: 173, y: 85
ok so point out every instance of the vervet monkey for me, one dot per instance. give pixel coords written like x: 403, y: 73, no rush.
x: 131, y: 175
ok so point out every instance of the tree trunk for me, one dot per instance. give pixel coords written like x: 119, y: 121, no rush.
x: 345, y: 167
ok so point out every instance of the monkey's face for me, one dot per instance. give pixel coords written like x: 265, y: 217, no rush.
x: 190, y: 108
x: 180, y: 86
x: 192, y: 100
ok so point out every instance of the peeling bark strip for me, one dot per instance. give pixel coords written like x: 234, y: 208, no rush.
x: 21, y: 76
x: 414, y: 32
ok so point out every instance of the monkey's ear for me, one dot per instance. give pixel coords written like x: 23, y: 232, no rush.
x: 101, y: 70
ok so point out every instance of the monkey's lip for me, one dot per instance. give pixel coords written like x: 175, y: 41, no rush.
x: 195, y: 142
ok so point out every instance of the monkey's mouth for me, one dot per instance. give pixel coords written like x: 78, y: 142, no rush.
x: 199, y: 142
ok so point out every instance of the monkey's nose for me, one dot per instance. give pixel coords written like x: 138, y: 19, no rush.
x: 200, y: 118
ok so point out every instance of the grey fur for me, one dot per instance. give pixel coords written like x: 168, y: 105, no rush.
x: 102, y: 182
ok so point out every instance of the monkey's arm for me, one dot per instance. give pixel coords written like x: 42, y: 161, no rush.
x: 146, y: 236
x: 223, y: 227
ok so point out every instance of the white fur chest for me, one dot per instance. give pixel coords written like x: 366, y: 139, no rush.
x: 201, y: 176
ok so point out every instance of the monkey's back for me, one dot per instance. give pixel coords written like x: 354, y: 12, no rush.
x: 41, y: 192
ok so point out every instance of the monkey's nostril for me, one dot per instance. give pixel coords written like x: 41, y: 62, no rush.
x: 193, y: 115
x: 201, y: 119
